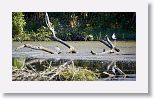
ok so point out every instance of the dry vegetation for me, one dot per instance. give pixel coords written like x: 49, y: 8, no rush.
x: 65, y: 72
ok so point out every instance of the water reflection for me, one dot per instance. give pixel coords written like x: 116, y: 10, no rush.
x: 107, y: 70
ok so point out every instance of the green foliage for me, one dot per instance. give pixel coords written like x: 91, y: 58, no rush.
x: 18, y: 63
x: 18, y: 23
x: 76, y: 74
x: 44, y: 71
x: 39, y: 35
x: 84, y: 23
x: 22, y: 37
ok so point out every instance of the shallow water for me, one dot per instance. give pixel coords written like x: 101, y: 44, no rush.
x: 127, y: 50
x: 125, y: 60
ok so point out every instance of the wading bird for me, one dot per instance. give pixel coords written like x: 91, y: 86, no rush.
x: 113, y: 36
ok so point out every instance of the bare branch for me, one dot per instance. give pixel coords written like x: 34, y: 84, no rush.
x: 49, y: 24
x: 109, y: 44
x: 53, y: 36
x: 37, y: 48
x: 35, y: 61
x: 61, y: 68
x: 106, y: 41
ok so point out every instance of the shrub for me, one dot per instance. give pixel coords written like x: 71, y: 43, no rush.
x: 18, y: 23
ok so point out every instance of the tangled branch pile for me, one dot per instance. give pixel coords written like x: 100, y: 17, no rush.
x: 64, y: 72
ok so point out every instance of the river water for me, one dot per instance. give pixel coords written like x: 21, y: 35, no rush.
x: 125, y: 60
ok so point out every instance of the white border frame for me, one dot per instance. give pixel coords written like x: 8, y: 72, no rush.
x: 138, y: 86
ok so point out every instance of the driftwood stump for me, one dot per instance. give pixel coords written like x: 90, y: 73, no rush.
x: 106, y: 41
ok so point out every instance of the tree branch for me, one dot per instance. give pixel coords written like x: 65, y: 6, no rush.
x: 53, y: 36
x: 106, y: 41
x: 37, y: 48
x: 109, y: 44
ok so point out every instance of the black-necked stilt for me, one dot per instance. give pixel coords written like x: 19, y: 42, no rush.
x: 113, y: 36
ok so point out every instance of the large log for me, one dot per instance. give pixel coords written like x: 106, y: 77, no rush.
x: 37, y: 48
x: 54, y: 37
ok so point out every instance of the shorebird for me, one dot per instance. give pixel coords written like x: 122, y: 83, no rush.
x: 113, y: 36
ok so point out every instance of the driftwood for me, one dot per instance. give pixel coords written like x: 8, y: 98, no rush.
x: 37, y: 48
x: 64, y: 72
x: 114, y: 68
x: 106, y: 41
x: 53, y: 36
x: 109, y: 44
x: 29, y: 62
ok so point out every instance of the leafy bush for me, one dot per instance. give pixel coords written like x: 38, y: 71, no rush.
x: 39, y: 35
x: 18, y: 23
x: 96, y: 24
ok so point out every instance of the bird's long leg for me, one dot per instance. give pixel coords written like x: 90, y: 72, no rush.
x: 115, y: 42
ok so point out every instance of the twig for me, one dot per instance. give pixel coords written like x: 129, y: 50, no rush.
x: 34, y: 61
x: 61, y: 67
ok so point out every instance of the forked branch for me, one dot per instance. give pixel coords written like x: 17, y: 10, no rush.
x: 54, y: 37
x: 109, y: 44
x: 106, y: 41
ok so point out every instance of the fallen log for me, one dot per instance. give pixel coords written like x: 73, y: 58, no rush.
x: 51, y: 37
x: 37, y: 48
x: 54, y: 37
